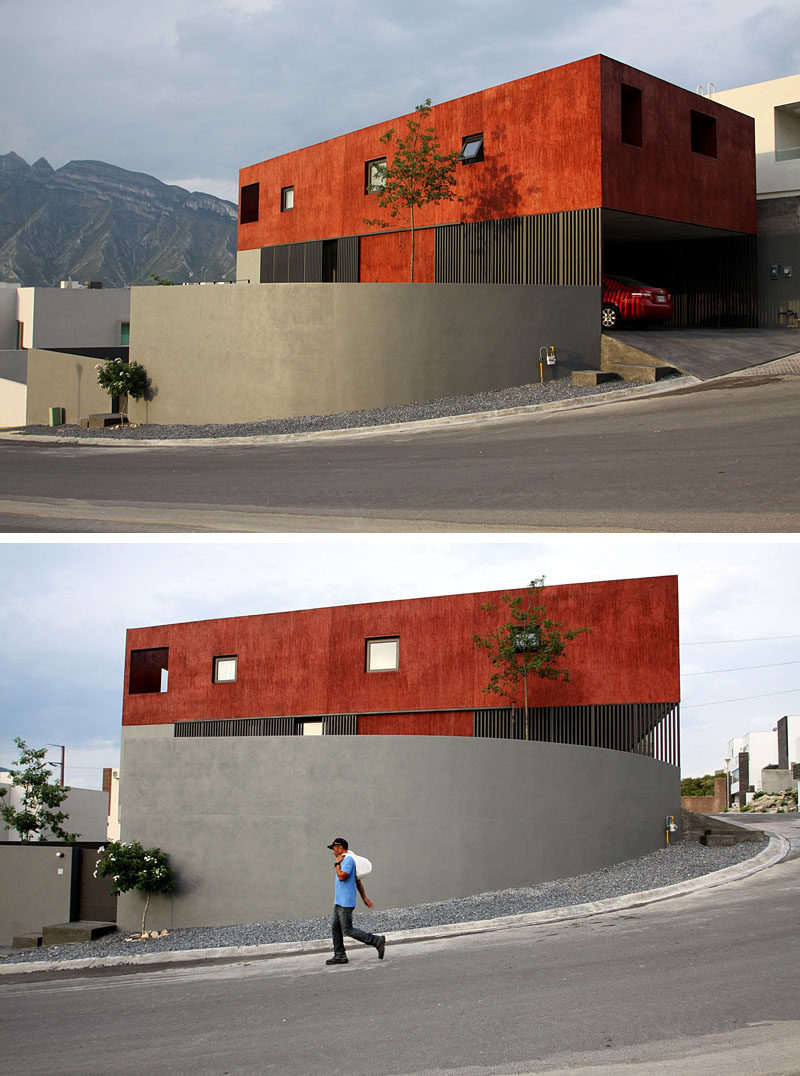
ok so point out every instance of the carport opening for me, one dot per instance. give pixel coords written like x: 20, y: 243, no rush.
x: 148, y: 671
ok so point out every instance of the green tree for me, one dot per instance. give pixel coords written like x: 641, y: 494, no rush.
x: 130, y: 866
x: 161, y: 280
x: 698, y: 786
x: 122, y: 379
x: 418, y: 174
x: 39, y: 817
x: 529, y: 643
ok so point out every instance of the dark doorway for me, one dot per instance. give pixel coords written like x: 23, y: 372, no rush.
x: 329, y: 260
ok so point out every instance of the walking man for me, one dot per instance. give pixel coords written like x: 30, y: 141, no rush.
x: 345, y: 888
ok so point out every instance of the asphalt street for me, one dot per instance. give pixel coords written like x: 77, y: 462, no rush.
x: 721, y: 456
x: 704, y: 982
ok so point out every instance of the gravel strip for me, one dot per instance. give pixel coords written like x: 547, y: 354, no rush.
x: 499, y: 400
x: 668, y: 866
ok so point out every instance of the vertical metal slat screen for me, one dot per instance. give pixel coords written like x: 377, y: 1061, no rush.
x: 550, y: 248
x: 651, y: 729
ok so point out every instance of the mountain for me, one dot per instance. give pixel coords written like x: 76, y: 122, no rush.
x: 93, y: 221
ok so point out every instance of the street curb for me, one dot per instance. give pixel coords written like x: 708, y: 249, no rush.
x: 776, y: 849
x: 417, y: 426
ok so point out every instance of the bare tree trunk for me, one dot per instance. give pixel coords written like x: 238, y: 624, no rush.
x: 144, y: 913
x: 412, y: 244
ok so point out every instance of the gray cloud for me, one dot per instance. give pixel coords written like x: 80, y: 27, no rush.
x: 190, y: 89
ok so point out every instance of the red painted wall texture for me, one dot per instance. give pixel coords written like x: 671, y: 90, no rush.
x: 552, y: 142
x: 312, y: 662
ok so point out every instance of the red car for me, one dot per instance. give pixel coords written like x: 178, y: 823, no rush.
x: 625, y: 299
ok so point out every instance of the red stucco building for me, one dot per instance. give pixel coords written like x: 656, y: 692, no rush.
x: 412, y: 668
x: 590, y: 164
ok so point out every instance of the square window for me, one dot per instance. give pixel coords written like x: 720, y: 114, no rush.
x: 225, y: 669
x: 375, y: 175
x: 309, y: 728
x: 704, y: 134
x: 248, y: 203
x: 148, y: 671
x: 472, y: 149
x: 631, y: 108
x: 526, y: 640
x: 383, y: 655
x: 287, y: 199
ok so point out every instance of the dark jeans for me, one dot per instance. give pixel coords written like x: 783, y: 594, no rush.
x: 342, y: 927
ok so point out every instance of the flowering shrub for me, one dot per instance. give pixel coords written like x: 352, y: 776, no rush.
x: 122, y: 379
x: 130, y: 866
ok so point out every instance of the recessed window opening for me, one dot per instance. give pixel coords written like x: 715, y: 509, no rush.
x: 248, y: 203
x: 148, y: 671
x: 631, y: 105
x: 375, y: 175
x: 124, y: 333
x: 704, y: 134
x: 383, y: 655
x: 472, y: 149
x: 787, y: 132
x: 526, y: 641
x: 287, y: 199
x: 225, y: 669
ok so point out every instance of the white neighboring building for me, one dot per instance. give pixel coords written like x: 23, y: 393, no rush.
x: 775, y: 106
x: 53, y: 318
x: 748, y: 755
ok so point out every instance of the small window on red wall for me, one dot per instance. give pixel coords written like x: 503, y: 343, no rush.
x: 383, y: 655
x: 704, y: 134
x: 148, y: 671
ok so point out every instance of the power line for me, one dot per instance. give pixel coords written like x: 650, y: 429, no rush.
x: 758, y: 639
x: 742, y: 668
x: 744, y: 698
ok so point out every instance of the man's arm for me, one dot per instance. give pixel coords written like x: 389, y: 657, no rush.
x: 364, y: 897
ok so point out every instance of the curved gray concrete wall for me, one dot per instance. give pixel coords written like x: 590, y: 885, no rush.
x: 246, y: 352
x: 246, y: 820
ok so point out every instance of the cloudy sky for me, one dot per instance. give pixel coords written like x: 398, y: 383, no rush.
x: 67, y: 605
x: 191, y: 90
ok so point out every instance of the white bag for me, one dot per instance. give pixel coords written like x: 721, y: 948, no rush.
x: 363, y: 865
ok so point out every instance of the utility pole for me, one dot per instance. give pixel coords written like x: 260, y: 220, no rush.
x: 63, y: 759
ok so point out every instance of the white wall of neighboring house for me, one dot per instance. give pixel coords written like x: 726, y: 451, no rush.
x: 762, y: 747
x: 775, y: 106
x: 112, y: 832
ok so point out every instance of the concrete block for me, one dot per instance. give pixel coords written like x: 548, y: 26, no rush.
x: 111, y: 419
x: 26, y: 941
x: 593, y: 377
x: 82, y: 930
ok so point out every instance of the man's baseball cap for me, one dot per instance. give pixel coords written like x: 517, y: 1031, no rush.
x: 339, y: 840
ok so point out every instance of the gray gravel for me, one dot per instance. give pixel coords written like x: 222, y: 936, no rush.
x: 667, y: 866
x: 499, y: 400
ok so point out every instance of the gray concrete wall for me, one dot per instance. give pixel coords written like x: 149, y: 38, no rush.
x: 438, y: 816
x: 56, y: 379
x: 78, y: 317
x: 8, y: 318
x: 249, y: 352
x: 32, y: 892
x: 87, y: 809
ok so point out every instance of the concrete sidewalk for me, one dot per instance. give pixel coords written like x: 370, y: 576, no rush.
x: 777, y: 849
